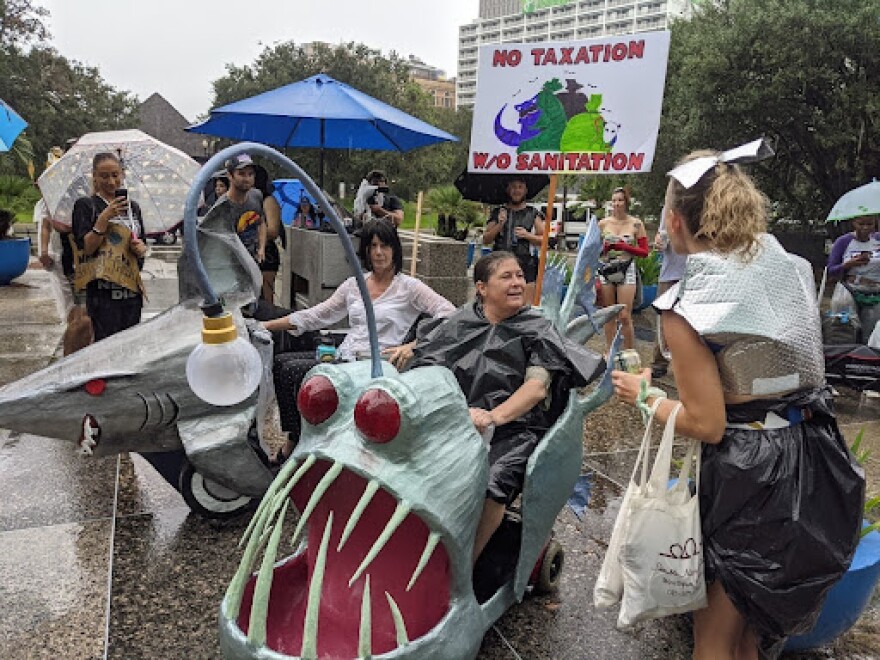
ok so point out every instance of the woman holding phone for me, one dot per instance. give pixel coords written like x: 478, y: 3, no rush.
x: 107, y: 227
x: 855, y: 256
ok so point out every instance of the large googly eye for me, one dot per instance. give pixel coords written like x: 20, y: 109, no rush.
x: 377, y: 416
x: 95, y: 387
x: 317, y: 400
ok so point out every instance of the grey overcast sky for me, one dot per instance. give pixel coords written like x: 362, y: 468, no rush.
x: 178, y: 47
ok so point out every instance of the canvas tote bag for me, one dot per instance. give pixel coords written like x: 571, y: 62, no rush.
x: 609, y: 585
x: 661, y: 554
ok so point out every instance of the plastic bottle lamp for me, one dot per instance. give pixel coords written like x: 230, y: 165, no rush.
x: 224, y: 369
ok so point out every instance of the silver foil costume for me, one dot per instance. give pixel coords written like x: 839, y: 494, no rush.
x: 780, y: 495
x: 760, y: 340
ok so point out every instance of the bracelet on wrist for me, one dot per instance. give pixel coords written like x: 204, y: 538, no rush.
x: 97, y: 231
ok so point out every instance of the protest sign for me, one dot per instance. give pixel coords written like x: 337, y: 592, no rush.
x: 588, y: 106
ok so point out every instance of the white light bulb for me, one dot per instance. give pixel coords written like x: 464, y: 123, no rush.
x: 224, y: 373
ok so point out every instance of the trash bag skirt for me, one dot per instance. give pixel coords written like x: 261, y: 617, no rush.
x: 781, y: 514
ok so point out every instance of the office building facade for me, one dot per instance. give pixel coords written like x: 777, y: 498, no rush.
x: 576, y: 20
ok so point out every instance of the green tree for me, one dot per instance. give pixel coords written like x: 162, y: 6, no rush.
x: 801, y: 72
x: 21, y: 23
x: 60, y: 98
x: 383, y: 77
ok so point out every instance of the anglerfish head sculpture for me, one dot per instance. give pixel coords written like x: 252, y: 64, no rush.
x: 389, y: 476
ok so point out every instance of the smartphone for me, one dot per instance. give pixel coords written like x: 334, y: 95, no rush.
x: 121, y: 192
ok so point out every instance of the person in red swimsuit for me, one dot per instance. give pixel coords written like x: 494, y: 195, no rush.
x: 624, y: 239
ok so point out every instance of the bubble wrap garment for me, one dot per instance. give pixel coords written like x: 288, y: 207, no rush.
x: 759, y: 318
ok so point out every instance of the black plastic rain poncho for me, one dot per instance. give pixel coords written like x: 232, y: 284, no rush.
x: 489, y: 362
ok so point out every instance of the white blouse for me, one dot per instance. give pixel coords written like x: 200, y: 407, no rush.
x: 396, y: 310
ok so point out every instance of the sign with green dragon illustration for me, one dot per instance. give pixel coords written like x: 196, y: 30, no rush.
x: 584, y: 106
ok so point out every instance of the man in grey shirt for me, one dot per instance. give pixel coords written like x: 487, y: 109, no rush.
x: 248, y: 201
x: 670, y: 273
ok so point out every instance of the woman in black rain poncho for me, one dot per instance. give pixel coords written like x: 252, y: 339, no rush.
x: 514, y: 369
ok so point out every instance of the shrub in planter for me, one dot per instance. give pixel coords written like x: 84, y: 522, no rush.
x: 452, y: 208
x: 649, y: 273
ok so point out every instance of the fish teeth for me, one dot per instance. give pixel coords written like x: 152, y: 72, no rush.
x: 318, y: 493
x: 399, y: 623
x: 90, y: 438
x: 235, y: 591
x: 400, y: 513
x: 260, y: 602
x: 355, y: 516
x: 270, y: 499
x: 430, y: 544
x: 309, y: 649
x: 365, y: 647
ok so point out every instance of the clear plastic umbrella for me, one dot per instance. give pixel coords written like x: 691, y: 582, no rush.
x: 157, y: 177
x: 864, y: 200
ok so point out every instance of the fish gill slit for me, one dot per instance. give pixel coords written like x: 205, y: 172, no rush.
x: 175, y: 410
x: 161, y: 408
x: 146, y: 411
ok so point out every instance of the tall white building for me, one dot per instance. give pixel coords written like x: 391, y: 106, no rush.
x: 579, y: 19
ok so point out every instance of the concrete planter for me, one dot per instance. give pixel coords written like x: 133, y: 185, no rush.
x: 847, y: 599
x: 14, y: 256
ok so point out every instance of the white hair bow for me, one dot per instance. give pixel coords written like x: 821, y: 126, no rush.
x: 687, y: 174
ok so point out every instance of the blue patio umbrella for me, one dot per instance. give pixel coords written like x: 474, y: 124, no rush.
x: 10, y: 126
x: 323, y: 113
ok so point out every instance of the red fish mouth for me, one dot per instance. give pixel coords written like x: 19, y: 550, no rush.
x: 405, y: 603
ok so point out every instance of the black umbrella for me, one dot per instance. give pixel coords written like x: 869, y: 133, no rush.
x: 492, y: 188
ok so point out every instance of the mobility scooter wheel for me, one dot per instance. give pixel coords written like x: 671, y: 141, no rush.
x: 551, y: 568
x: 208, y: 498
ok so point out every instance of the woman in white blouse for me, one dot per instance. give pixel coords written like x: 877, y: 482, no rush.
x: 398, y: 300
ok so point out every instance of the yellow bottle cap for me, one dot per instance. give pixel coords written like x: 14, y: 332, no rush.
x: 218, y: 329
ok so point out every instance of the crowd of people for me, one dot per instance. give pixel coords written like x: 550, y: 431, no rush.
x: 756, y: 398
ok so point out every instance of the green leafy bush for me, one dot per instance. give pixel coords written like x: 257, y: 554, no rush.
x: 448, y: 201
x: 649, y: 267
x: 18, y: 194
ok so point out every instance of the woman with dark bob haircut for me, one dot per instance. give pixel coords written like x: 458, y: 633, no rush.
x: 398, y: 300
x: 387, y: 235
